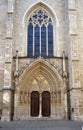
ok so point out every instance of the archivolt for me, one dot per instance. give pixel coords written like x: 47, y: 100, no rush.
x: 44, y: 68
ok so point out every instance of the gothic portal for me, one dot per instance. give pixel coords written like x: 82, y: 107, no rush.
x: 39, y: 92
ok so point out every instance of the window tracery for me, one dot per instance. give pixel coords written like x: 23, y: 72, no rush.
x: 40, y: 34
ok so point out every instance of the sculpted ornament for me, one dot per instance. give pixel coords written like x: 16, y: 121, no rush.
x: 64, y: 67
x: 16, y: 73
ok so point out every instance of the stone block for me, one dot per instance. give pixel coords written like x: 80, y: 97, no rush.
x: 73, y: 22
x: 7, y: 76
x: 72, y: 4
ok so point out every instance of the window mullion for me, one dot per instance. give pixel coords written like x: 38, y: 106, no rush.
x: 33, y: 40
x: 47, y: 40
x: 40, y: 40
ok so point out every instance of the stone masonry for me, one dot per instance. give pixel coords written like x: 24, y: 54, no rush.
x: 61, y: 76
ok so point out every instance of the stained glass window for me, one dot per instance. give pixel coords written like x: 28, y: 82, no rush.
x: 40, y: 35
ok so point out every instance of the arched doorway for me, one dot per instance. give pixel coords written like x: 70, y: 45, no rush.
x: 35, y: 103
x: 41, y: 86
x: 46, y: 104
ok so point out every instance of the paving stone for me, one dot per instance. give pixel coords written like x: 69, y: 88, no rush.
x: 41, y: 125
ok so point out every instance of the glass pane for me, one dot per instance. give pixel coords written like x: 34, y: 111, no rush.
x: 30, y: 40
x: 43, y: 41
x: 37, y: 40
x: 50, y: 40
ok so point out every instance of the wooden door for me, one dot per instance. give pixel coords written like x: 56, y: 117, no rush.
x: 35, y: 103
x: 46, y: 104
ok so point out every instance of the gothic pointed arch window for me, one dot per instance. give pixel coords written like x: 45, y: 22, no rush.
x: 40, y: 34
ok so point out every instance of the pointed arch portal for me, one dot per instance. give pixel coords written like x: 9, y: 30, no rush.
x: 39, y: 92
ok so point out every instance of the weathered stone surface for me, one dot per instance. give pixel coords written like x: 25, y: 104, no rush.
x: 39, y: 74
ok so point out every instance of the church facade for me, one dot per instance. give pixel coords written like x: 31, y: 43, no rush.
x: 41, y: 59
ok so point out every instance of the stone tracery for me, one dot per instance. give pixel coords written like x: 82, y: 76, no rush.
x: 40, y: 34
x: 40, y: 17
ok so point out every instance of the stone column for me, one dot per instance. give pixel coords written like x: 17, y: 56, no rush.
x: 16, y: 105
x: 7, y: 88
x: 40, y: 106
x: 29, y: 104
x: 52, y: 105
x: 65, y: 99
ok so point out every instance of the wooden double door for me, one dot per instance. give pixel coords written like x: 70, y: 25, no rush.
x: 45, y: 104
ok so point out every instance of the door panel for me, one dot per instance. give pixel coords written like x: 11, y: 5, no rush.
x: 34, y: 103
x: 46, y: 104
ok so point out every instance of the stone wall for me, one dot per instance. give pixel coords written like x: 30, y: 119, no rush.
x: 3, y: 10
x: 80, y: 41
x: 68, y: 37
x: 75, y: 71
